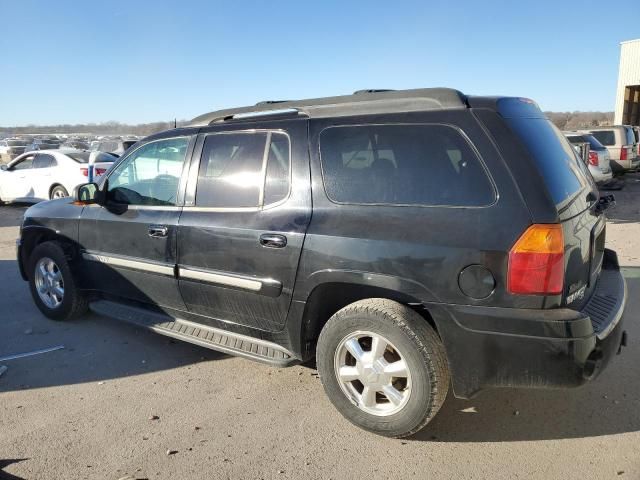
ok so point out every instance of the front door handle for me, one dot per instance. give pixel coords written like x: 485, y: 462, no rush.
x: 273, y: 240
x: 158, y: 231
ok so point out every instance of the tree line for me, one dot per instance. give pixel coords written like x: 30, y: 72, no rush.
x: 578, y: 120
x: 563, y: 120
x: 106, y: 128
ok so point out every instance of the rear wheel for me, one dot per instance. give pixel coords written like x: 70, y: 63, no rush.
x: 383, y: 367
x: 52, y: 285
x: 58, y: 192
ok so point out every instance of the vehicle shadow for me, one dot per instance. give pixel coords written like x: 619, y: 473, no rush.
x: 5, y: 463
x: 12, y: 214
x: 95, y: 348
x: 627, y: 209
x: 609, y: 405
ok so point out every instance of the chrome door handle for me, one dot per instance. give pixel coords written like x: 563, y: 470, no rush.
x: 273, y: 240
x: 158, y: 231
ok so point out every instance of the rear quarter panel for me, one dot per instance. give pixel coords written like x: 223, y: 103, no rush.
x: 419, y: 251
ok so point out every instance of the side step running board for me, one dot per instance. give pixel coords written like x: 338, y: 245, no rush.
x: 198, y: 334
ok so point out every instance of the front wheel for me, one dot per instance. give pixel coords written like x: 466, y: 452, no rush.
x: 52, y: 285
x: 383, y: 367
x: 58, y: 192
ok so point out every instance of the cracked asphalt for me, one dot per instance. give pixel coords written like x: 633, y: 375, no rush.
x: 119, y: 402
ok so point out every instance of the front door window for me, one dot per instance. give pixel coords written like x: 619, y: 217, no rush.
x: 150, y: 175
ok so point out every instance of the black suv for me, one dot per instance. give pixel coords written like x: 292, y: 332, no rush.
x: 408, y: 239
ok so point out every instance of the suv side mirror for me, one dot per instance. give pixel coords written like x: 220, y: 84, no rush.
x: 89, y: 193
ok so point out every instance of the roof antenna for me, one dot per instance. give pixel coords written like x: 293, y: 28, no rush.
x: 175, y: 123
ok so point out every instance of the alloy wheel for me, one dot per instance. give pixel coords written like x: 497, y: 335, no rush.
x: 49, y: 282
x: 372, y: 373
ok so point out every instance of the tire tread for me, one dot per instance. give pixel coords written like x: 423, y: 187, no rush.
x: 422, y: 335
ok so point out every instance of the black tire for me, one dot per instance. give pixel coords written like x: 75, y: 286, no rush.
x: 419, y: 346
x: 73, y: 303
x: 57, y: 192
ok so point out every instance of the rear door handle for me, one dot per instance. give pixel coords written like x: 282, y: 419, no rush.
x: 273, y: 240
x: 158, y: 231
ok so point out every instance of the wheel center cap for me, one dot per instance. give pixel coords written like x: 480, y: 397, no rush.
x: 371, y: 374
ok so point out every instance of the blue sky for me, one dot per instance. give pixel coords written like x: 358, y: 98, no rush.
x: 142, y: 61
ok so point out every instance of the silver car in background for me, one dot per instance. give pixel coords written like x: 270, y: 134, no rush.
x: 597, y: 158
x: 10, y: 148
x: 620, y: 140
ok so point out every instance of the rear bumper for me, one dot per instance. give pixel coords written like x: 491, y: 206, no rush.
x: 601, y: 177
x: 625, y: 165
x: 506, y: 347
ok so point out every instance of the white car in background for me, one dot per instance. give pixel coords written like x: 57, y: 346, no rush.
x: 44, y: 175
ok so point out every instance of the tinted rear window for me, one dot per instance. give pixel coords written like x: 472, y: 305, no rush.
x: 563, y: 172
x: 80, y: 157
x: 16, y: 143
x: 577, y: 139
x: 605, y: 137
x: 402, y: 165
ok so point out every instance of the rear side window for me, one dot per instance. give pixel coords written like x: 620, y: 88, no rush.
x: 243, y: 170
x: 562, y: 170
x: 605, y: 137
x: 577, y: 139
x: 43, y: 161
x: 428, y: 165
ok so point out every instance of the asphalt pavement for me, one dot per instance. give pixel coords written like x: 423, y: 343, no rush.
x: 119, y: 402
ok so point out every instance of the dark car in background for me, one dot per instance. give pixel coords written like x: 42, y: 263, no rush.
x: 408, y: 240
x: 42, y: 144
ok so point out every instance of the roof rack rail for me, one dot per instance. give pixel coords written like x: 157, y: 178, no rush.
x: 364, y: 102
x: 373, y: 90
x: 262, y: 113
x: 271, y: 102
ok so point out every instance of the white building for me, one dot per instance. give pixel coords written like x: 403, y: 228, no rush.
x: 628, y: 96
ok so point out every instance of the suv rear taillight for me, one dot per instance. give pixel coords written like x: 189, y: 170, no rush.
x: 536, y: 261
x: 593, y: 158
x: 84, y: 171
x: 624, y: 153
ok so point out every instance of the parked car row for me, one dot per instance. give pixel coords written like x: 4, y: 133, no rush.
x: 607, y: 150
x: 10, y: 148
x: 49, y: 174
x: 43, y: 167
